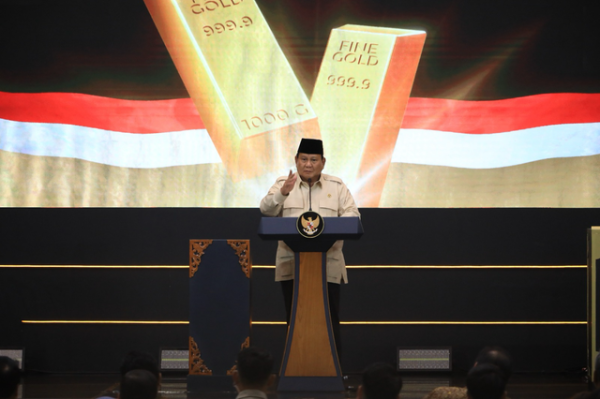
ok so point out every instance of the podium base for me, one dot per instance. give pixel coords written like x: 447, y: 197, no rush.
x: 304, y: 384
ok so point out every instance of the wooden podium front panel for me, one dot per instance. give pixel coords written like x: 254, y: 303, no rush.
x: 310, y: 352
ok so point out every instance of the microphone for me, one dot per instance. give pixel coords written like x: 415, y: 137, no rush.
x: 309, y: 194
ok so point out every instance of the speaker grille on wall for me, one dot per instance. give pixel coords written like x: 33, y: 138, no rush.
x: 15, y: 354
x: 174, y: 359
x: 424, y: 359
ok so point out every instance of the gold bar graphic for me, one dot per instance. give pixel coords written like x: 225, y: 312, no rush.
x: 361, y: 94
x: 252, y: 104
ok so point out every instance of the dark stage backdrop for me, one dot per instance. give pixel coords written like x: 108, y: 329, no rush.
x: 417, y: 237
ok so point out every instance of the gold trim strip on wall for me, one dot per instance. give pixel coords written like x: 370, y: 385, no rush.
x: 94, y: 266
x: 102, y: 322
x: 465, y: 322
x: 452, y: 267
x: 273, y: 267
x: 343, y: 322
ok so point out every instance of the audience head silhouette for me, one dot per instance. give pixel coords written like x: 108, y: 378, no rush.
x: 10, y: 375
x: 498, y: 357
x: 596, y: 376
x: 380, y: 381
x: 138, y: 384
x: 254, y: 368
x: 486, y: 381
x: 137, y: 360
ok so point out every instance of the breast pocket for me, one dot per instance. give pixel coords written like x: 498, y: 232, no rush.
x: 293, y: 207
x: 328, y: 207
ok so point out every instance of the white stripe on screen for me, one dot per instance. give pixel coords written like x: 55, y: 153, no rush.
x: 193, y: 147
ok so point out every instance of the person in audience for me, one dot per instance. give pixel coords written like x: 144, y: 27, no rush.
x: 584, y: 395
x: 593, y: 392
x: 486, y: 381
x: 380, y: 381
x: 10, y: 376
x: 253, y: 374
x: 133, y: 360
x: 489, y: 355
x: 498, y: 357
x: 138, y: 360
x: 596, y: 376
x: 138, y: 384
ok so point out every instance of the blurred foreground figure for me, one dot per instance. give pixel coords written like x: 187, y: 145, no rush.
x: 253, y: 375
x: 489, y: 355
x: 133, y: 360
x: 138, y: 384
x: 486, y: 381
x: 380, y: 381
x: 10, y: 376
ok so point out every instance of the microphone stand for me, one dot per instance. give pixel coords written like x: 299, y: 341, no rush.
x: 309, y: 194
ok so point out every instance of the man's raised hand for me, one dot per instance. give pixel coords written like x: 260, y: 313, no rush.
x: 288, y: 185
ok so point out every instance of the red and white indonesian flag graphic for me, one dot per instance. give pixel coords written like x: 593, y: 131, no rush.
x: 64, y: 149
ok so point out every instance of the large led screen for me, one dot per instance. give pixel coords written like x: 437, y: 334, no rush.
x: 202, y: 103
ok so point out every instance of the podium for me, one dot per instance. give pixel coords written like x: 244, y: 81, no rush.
x: 310, y: 361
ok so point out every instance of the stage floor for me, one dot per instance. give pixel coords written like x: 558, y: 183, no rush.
x: 522, y: 386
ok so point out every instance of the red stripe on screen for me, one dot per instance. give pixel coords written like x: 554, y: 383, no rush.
x: 129, y: 116
x: 158, y: 116
x: 501, y: 115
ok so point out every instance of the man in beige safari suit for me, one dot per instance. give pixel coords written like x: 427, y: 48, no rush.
x: 289, y: 197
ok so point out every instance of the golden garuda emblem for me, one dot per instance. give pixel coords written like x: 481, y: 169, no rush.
x: 310, y: 224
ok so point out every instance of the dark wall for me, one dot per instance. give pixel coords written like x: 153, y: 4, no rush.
x: 501, y: 237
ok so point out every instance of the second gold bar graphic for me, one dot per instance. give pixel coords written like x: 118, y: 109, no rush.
x: 360, y: 96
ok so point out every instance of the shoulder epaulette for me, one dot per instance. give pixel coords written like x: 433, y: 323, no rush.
x: 332, y: 179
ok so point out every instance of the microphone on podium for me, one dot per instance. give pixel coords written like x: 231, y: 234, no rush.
x: 310, y: 224
x: 309, y: 194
